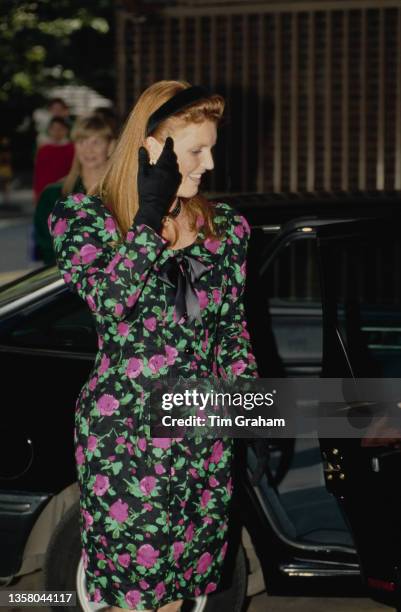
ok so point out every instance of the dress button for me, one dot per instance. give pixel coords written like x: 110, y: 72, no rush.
x: 188, y: 350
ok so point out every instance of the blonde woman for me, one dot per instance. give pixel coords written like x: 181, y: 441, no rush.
x: 163, y: 272
x: 94, y: 140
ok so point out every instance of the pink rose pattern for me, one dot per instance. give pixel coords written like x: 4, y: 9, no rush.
x: 153, y: 510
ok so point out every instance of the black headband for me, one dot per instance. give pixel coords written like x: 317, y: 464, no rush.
x: 178, y: 102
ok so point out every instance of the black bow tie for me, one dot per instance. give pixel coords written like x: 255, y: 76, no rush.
x: 182, y: 272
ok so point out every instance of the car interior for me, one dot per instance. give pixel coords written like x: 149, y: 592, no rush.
x: 295, y: 498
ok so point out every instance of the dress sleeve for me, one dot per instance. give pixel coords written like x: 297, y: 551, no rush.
x: 108, y: 274
x: 234, y: 351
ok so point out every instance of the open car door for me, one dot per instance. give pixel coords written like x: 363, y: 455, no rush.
x: 361, y: 294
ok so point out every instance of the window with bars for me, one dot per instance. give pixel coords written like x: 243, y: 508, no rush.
x: 313, y: 93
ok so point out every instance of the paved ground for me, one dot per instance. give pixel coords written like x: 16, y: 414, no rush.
x: 259, y: 603
x: 16, y: 236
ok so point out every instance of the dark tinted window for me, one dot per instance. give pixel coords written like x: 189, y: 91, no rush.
x: 293, y: 275
x: 365, y: 273
x: 60, y: 323
x: 286, y: 309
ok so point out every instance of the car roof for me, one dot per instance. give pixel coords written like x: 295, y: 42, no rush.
x: 276, y: 209
x: 29, y: 287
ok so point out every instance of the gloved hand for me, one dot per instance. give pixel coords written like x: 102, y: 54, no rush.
x: 157, y: 185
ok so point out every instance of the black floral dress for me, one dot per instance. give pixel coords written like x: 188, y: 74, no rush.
x: 153, y: 510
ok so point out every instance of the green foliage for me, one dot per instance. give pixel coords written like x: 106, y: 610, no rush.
x: 44, y: 43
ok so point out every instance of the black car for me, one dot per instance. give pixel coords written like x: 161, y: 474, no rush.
x: 323, y: 298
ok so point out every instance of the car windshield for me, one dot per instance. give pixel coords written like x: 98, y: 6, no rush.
x: 27, y: 284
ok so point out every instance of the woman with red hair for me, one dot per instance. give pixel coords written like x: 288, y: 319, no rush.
x: 163, y: 271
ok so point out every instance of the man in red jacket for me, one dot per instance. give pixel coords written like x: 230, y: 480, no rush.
x: 53, y: 159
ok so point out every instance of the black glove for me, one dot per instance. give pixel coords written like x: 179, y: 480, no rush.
x: 157, y: 185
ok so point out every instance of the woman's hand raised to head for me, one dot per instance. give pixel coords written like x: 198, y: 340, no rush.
x: 157, y: 185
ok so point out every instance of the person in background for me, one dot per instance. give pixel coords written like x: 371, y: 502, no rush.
x: 108, y: 114
x: 53, y: 159
x: 56, y: 107
x: 94, y: 141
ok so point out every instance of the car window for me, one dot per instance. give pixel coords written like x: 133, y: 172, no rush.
x: 60, y: 323
x: 367, y: 282
x: 293, y: 275
x: 287, y: 310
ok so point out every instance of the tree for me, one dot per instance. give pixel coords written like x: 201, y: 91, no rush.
x: 44, y: 43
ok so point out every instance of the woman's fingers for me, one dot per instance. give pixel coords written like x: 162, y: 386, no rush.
x: 168, y: 156
x: 143, y: 157
x: 143, y: 161
x: 169, y: 144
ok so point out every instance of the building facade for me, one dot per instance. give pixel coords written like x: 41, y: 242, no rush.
x: 313, y: 88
